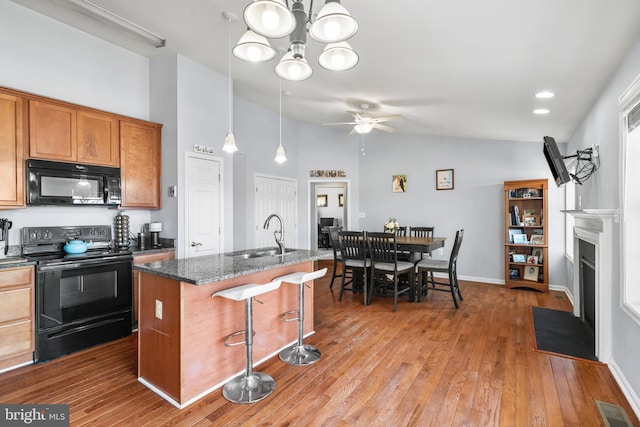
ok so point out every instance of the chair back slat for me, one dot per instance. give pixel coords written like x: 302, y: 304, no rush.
x: 456, y: 248
x: 333, y: 237
x: 382, y: 247
x: 352, y: 244
x: 421, y: 231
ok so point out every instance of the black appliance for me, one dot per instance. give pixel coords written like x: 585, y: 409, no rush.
x: 556, y: 161
x: 58, y: 183
x: 81, y: 299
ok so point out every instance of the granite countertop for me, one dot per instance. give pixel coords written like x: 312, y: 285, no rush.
x: 215, y: 268
x: 135, y: 250
x: 15, y: 261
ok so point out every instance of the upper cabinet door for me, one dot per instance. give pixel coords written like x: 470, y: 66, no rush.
x: 140, y: 164
x: 12, y: 124
x: 98, y: 139
x: 52, y: 131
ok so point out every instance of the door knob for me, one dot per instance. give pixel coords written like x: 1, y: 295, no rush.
x: 194, y: 244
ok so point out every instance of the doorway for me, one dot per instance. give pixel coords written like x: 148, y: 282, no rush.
x: 203, y: 189
x: 277, y: 195
x: 328, y: 200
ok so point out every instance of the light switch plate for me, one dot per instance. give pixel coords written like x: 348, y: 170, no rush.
x: 158, y: 309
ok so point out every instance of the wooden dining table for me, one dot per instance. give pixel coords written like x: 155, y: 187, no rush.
x: 419, y: 244
x: 411, y: 244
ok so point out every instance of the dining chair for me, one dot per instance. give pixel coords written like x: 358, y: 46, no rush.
x: 385, y: 267
x: 428, y: 266
x: 354, y: 261
x: 420, y: 232
x: 337, y: 252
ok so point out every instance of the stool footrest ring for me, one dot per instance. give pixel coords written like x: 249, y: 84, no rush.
x: 286, y: 316
x: 227, y: 340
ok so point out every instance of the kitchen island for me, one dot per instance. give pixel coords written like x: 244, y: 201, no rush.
x: 181, y: 329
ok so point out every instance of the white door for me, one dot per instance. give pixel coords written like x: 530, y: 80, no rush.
x: 203, y: 188
x: 279, y: 196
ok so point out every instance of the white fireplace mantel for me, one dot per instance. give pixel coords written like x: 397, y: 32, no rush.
x: 596, y: 227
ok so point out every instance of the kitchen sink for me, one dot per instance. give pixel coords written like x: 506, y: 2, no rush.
x: 260, y: 254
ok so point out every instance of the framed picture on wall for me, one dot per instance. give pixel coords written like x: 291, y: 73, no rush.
x: 322, y: 200
x: 444, y: 179
x: 340, y: 200
x: 399, y: 183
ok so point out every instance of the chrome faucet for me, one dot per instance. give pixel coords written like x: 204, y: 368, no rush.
x: 279, y: 232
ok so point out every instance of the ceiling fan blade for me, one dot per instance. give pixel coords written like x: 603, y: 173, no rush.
x: 387, y: 118
x: 356, y: 114
x: 383, y: 127
x: 337, y: 124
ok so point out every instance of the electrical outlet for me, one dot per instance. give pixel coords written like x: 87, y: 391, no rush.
x: 158, y: 309
x: 173, y: 191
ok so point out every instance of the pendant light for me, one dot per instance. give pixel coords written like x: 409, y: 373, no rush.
x: 253, y: 47
x: 338, y: 57
x: 229, y: 141
x: 280, y: 156
x: 333, y: 23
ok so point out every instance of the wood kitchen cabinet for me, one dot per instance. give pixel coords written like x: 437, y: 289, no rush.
x: 12, y: 132
x: 145, y: 259
x: 64, y: 132
x: 140, y: 164
x: 16, y: 316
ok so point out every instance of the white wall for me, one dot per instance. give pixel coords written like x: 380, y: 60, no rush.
x: 48, y: 58
x: 476, y: 203
x: 601, y: 126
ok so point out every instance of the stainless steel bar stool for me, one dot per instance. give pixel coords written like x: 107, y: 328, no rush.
x: 251, y: 386
x: 299, y: 354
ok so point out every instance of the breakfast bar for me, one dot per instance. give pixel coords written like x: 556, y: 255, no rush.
x: 181, y: 329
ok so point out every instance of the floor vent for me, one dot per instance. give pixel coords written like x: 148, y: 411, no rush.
x: 613, y: 415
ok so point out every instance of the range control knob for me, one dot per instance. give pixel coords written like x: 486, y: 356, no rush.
x: 46, y: 235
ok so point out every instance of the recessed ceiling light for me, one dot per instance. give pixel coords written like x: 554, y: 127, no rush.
x: 541, y: 111
x: 545, y: 94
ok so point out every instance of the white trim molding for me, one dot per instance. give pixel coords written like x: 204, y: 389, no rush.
x: 595, y: 226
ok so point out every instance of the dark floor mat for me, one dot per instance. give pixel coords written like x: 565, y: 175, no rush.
x: 563, y: 333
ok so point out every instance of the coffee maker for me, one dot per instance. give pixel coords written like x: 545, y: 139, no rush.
x: 5, y: 225
x: 154, y: 229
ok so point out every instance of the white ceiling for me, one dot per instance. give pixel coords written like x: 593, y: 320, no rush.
x: 458, y: 68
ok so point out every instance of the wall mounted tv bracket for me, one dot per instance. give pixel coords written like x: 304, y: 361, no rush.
x: 587, y: 162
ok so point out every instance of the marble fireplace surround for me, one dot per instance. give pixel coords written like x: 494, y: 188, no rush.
x: 595, y: 226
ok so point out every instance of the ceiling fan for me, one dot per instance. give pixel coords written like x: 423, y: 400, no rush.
x: 363, y: 122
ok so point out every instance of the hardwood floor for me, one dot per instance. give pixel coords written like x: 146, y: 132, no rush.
x: 426, y: 365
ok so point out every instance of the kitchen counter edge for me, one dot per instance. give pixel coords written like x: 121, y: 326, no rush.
x: 215, y: 268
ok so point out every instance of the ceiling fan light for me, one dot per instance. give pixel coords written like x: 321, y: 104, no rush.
x: 269, y: 18
x: 338, y: 57
x: 291, y: 68
x: 280, y: 156
x: 253, y: 47
x: 363, y: 128
x: 229, y: 143
x: 333, y: 24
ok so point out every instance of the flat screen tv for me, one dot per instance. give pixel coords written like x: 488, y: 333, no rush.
x: 556, y: 161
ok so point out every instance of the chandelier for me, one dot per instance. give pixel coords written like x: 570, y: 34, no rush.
x: 267, y: 19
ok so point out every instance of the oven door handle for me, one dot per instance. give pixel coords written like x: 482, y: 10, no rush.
x: 83, y: 264
x: 59, y: 266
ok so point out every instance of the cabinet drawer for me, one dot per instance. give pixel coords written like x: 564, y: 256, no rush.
x: 16, y: 304
x: 16, y: 338
x: 16, y: 276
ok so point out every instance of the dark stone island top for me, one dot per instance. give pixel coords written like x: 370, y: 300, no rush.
x: 214, y: 268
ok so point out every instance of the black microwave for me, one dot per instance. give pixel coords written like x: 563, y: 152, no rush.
x: 58, y: 183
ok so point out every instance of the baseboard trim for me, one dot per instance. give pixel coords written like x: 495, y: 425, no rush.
x: 627, y: 390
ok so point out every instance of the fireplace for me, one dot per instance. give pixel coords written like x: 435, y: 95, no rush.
x: 587, y: 282
x: 592, y: 264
